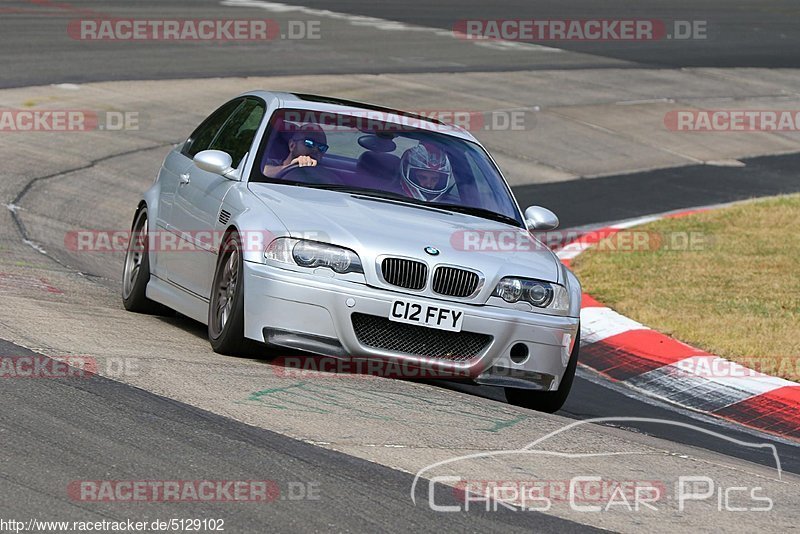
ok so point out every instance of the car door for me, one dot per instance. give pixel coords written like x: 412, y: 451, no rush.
x: 174, y: 165
x: 198, y: 199
x: 170, y: 246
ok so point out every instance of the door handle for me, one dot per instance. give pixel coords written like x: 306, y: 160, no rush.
x: 185, y: 178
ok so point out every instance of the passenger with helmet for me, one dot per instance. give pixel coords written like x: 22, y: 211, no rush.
x: 426, y: 172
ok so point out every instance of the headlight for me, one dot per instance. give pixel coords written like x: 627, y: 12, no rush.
x: 313, y: 254
x: 280, y: 250
x: 535, y: 292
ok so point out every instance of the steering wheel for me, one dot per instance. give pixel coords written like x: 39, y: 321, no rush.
x: 309, y: 175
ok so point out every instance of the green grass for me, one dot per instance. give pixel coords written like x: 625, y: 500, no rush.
x: 735, y: 293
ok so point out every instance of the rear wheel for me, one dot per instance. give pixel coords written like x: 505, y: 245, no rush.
x: 136, y: 271
x: 226, y: 308
x: 548, y: 401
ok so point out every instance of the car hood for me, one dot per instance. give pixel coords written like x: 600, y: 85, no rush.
x: 374, y: 227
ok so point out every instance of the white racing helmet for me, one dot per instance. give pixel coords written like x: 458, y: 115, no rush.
x: 427, y: 173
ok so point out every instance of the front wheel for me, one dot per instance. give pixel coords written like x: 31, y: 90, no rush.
x: 548, y: 401
x: 136, y: 272
x: 226, y: 308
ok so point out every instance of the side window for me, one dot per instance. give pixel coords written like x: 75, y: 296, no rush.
x: 202, y: 137
x: 238, y: 133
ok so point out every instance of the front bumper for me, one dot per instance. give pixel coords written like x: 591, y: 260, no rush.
x: 312, y: 312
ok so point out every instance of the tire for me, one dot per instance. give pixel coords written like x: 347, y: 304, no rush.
x: 136, y: 270
x: 226, y: 306
x: 548, y: 401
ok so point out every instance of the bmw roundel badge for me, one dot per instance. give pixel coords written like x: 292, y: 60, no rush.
x: 432, y: 251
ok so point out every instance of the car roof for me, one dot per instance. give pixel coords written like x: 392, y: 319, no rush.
x: 346, y: 107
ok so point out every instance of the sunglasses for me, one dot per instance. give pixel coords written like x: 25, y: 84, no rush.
x: 310, y: 143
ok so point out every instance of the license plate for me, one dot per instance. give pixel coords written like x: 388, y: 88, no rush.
x: 430, y: 315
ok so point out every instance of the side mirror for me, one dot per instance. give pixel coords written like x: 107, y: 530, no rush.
x: 217, y: 162
x: 539, y: 218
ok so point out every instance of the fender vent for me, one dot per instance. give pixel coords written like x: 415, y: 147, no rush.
x: 224, y: 217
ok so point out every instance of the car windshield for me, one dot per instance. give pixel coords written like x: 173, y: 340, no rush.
x: 400, y: 157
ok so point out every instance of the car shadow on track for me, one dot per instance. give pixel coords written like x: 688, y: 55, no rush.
x: 288, y: 360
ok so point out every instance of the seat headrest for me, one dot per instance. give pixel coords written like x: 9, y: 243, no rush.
x: 379, y: 164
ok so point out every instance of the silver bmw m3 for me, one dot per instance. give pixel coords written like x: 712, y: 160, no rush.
x: 361, y: 233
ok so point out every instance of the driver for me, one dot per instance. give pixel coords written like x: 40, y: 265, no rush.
x: 306, y: 147
x: 427, y: 173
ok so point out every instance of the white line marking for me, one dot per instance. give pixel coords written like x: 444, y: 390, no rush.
x: 725, y: 163
x: 35, y: 246
x: 386, y: 25
x: 637, y: 222
x: 646, y: 101
x: 572, y: 250
x: 598, y: 324
x: 67, y: 86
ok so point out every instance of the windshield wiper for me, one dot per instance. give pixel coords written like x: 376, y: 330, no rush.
x: 478, y: 212
x: 357, y: 190
x: 378, y: 193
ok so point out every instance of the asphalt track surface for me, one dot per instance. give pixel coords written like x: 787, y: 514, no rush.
x: 99, y: 426
x: 740, y: 33
x: 54, y: 432
x: 38, y: 50
x: 594, y: 201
